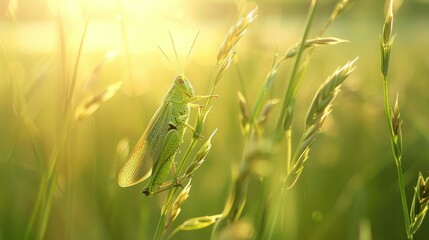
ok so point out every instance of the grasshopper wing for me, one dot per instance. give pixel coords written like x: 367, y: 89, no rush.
x: 148, y: 149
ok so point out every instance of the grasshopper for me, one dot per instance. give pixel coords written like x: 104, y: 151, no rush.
x: 153, y: 155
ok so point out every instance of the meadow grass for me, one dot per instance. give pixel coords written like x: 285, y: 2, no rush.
x: 291, y: 158
x: 420, y: 201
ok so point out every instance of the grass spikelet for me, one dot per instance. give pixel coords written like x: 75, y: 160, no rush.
x: 176, y: 207
x: 321, y: 105
x: 387, y: 40
x: 340, y: 7
x: 267, y: 110
x: 396, y: 130
x: 239, y: 230
x: 388, y: 24
x: 394, y: 122
x: 226, y: 51
x: 316, y: 42
x: 244, y: 113
x: 91, y: 104
x: 318, y: 111
x: 198, y: 223
x: 201, y: 155
x: 234, y: 35
x: 420, y: 204
x: 123, y: 148
x: 110, y: 56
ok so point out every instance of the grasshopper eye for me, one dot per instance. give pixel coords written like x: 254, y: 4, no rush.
x: 180, y: 80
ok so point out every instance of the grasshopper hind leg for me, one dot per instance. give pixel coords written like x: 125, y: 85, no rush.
x: 163, y: 166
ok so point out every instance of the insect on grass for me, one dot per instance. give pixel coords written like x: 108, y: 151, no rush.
x: 153, y: 155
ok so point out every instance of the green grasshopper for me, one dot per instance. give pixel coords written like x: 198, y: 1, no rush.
x: 153, y: 155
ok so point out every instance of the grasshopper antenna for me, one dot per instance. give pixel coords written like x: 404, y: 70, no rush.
x: 168, y: 59
x: 175, y: 52
x: 190, y: 49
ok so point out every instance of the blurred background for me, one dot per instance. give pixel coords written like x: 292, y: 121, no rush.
x: 348, y: 189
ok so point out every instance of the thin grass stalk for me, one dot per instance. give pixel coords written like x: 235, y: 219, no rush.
x: 39, y: 197
x: 261, y: 95
x: 293, y: 80
x: 318, y: 111
x: 282, y: 195
x: 39, y: 194
x: 236, y: 200
x: 53, y: 171
x: 297, y: 74
x: 50, y: 180
x: 404, y: 201
x: 63, y: 53
x: 386, y: 43
x: 42, y: 193
x: 281, y: 200
x: 75, y: 71
x: 298, y: 69
x: 280, y: 130
x: 398, y: 161
x: 261, y: 216
x: 125, y: 38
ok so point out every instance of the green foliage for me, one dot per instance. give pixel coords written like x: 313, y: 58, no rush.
x: 78, y: 86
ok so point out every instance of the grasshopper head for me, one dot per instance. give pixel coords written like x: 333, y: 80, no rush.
x: 184, y: 85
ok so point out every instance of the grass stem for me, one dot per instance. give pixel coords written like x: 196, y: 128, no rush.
x: 398, y: 161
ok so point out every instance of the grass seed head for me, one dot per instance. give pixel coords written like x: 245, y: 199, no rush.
x: 319, y: 109
x: 244, y: 110
x: 321, y: 105
x: 199, y: 222
x: 201, y: 155
x: 388, y: 24
x: 176, y: 207
x: 238, y: 230
x: 234, y: 35
x: 226, y: 52
x: 91, y: 104
x: 420, y: 204
x: 267, y: 110
x: 396, y: 121
x: 387, y: 40
x: 423, y: 186
x: 340, y: 7
x: 316, y: 42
